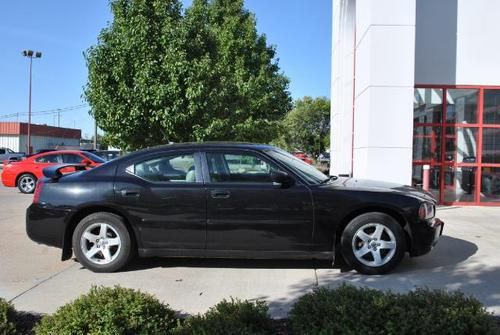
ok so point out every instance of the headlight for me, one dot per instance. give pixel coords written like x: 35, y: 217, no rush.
x: 426, y: 211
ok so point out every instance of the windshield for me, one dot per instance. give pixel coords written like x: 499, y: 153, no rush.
x: 92, y: 157
x: 306, y: 171
x: 10, y: 151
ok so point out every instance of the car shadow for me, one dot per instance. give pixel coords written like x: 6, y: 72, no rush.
x: 448, y: 252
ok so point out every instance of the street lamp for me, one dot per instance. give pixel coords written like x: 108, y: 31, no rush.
x: 30, y: 54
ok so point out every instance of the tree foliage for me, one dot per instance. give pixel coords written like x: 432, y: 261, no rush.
x: 307, y: 126
x: 159, y: 74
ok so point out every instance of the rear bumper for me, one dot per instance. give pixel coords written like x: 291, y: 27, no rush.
x: 425, y: 235
x: 8, y: 179
x: 46, y: 226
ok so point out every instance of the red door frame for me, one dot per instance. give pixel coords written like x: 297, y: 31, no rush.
x: 479, y: 125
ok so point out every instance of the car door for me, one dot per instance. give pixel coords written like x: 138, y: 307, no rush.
x: 246, y: 211
x: 44, y: 161
x: 164, y: 194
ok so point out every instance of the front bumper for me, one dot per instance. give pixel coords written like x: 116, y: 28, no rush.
x: 425, y: 235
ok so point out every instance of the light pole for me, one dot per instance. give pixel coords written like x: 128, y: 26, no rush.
x: 30, y: 54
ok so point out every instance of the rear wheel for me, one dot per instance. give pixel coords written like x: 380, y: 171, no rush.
x: 373, y: 243
x: 101, y: 242
x: 26, y: 183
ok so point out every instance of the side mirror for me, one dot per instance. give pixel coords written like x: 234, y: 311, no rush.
x: 281, y: 179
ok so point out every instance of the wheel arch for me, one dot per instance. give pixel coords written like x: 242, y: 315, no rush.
x: 394, y: 213
x: 67, y: 249
x: 23, y: 173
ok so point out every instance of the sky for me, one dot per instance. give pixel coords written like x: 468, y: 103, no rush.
x: 62, y: 30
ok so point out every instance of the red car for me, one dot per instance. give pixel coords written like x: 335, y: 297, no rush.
x: 25, y: 173
x: 303, y: 157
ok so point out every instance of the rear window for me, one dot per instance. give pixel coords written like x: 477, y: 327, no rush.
x: 93, y: 157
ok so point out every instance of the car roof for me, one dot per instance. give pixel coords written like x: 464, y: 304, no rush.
x: 55, y: 152
x: 207, y: 145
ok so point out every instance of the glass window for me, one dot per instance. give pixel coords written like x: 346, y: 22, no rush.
x: 491, y: 145
x: 490, y: 184
x: 427, y: 105
x: 460, y: 145
x: 53, y: 158
x: 239, y: 168
x: 427, y: 144
x: 434, y: 178
x: 491, y: 112
x: 459, y: 184
x: 93, y: 157
x: 2, y: 151
x: 306, y: 171
x: 461, y: 105
x: 72, y: 158
x: 172, y: 168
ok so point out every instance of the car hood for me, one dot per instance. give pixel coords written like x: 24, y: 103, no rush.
x: 356, y: 184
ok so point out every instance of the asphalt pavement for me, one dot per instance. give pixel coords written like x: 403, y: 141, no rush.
x: 34, y: 279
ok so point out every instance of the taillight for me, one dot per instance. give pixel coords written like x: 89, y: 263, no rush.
x: 38, y: 191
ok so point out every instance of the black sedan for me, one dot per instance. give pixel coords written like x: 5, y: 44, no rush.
x: 227, y: 200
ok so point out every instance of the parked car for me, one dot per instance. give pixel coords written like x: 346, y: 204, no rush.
x: 227, y: 200
x: 324, y: 158
x: 303, y: 157
x: 24, y: 174
x: 7, y: 155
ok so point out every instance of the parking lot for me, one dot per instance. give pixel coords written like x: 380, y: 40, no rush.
x: 35, y: 279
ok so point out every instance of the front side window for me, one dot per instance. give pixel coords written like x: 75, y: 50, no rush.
x: 239, y: 168
x: 306, y: 171
x: 171, y: 168
x: 54, y: 158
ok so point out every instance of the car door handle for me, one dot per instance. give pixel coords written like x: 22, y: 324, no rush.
x: 220, y: 194
x: 130, y: 193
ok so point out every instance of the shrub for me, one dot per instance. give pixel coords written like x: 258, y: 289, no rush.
x: 7, y: 318
x: 233, y: 317
x: 350, y: 310
x: 110, y: 311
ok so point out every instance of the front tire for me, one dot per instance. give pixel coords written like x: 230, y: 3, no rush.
x: 101, y: 242
x: 373, y: 243
x: 26, y: 183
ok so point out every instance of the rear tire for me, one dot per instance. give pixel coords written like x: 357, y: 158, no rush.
x: 101, y: 242
x: 26, y: 183
x: 373, y: 243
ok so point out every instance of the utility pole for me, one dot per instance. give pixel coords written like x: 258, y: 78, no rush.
x: 30, y: 54
x: 95, y: 134
x: 58, y: 118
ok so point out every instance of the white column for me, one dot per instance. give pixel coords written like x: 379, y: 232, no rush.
x: 383, y: 101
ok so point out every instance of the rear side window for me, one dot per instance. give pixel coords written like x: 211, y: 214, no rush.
x: 171, y: 168
x: 72, y: 158
x: 54, y: 158
x: 2, y: 151
x: 239, y: 168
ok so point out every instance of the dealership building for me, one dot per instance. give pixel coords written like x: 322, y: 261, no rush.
x: 14, y: 135
x: 416, y: 86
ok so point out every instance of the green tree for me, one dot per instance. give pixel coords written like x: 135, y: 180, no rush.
x: 160, y: 75
x: 307, y: 126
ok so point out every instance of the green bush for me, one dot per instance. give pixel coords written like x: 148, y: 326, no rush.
x: 350, y: 310
x: 7, y: 318
x: 233, y: 317
x: 110, y: 311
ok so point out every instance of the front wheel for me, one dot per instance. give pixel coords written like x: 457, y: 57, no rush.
x: 101, y: 242
x: 26, y: 183
x: 373, y: 243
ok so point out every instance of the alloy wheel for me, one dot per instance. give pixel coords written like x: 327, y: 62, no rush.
x: 374, y: 244
x: 100, y: 243
x: 27, y: 184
